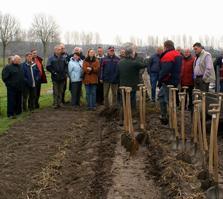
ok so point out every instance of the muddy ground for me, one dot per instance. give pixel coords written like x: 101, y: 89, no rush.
x: 68, y: 154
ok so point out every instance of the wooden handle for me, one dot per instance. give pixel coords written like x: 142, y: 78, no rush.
x: 182, y: 119
x: 141, y: 108
x: 170, y: 86
x: 124, y: 110
x: 144, y: 107
x: 204, y: 122
x: 213, y: 105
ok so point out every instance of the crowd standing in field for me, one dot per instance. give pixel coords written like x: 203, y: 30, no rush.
x: 102, y: 74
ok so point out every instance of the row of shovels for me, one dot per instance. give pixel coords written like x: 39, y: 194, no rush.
x: 131, y: 139
x: 198, y: 138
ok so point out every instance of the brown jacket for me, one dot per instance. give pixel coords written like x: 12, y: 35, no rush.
x: 91, y: 76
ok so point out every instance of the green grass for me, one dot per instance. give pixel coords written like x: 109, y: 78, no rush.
x: 46, y: 100
x: 5, y: 122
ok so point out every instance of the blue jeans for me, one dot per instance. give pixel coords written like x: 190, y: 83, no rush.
x: 91, y: 95
x: 153, y: 81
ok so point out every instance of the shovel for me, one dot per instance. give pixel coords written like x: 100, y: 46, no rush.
x: 183, y: 139
x: 142, y: 137
x: 124, y: 108
x: 170, y: 106
x: 174, y: 118
x: 194, y: 139
x: 213, y: 152
x: 133, y: 144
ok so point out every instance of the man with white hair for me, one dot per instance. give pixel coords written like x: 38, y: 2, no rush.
x: 12, y: 76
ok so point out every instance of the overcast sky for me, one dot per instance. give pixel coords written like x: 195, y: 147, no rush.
x: 124, y: 17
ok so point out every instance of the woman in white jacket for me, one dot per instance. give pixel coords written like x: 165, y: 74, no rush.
x: 75, y: 69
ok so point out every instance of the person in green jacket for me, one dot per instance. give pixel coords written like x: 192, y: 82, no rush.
x: 128, y: 71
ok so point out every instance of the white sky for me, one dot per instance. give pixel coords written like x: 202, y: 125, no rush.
x: 124, y: 17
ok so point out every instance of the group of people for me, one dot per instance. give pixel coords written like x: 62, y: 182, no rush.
x: 102, y: 73
x: 23, y: 82
x: 180, y: 68
x: 99, y: 72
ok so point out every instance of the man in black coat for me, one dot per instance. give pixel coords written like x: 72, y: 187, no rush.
x: 57, y: 66
x: 13, y: 77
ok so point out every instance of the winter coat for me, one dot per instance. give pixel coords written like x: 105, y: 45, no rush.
x: 91, y: 77
x: 128, y: 72
x: 219, y: 62
x: 75, y: 70
x: 109, y: 69
x: 153, y: 64
x: 57, y: 66
x: 39, y: 63
x: 13, y: 77
x: 187, y: 71
x: 28, y: 80
x: 170, y: 67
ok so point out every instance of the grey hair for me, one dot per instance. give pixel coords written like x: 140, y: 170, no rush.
x: 13, y: 58
x: 129, y: 49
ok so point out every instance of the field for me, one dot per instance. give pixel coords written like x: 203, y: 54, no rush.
x: 67, y: 153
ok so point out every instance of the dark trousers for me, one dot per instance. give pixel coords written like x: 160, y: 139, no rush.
x: 58, y: 89
x: 14, y: 102
x: 153, y: 81
x: 100, y: 93
x: 190, y: 96
x: 76, y: 93
x: 29, y: 97
x: 64, y: 90
x: 221, y: 86
x: 38, y: 92
x: 201, y: 85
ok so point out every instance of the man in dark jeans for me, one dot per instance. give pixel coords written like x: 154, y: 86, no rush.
x: 57, y: 66
x: 170, y: 68
x: 13, y: 77
x: 31, y: 79
x: 99, y: 91
x: 153, y: 69
x: 65, y: 56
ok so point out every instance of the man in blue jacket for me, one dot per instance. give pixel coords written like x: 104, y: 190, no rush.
x: 31, y: 79
x: 57, y: 66
x: 153, y: 70
x: 109, y: 76
x: 170, y: 67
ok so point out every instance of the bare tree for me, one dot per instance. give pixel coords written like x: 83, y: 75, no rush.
x: 75, y: 37
x: 184, y: 39
x: 45, y: 29
x: 97, y: 38
x: 9, y: 29
x: 118, y: 40
x: 67, y: 37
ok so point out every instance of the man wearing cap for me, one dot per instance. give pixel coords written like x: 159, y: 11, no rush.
x: 109, y: 76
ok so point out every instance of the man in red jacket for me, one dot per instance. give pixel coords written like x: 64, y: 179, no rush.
x: 187, y: 75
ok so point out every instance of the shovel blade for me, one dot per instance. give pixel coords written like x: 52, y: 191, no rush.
x: 215, y: 192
